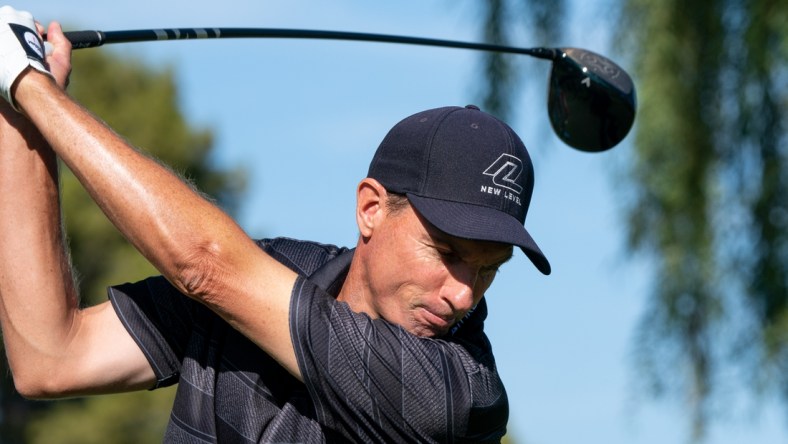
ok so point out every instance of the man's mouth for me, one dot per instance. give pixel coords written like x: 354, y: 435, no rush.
x: 437, y: 322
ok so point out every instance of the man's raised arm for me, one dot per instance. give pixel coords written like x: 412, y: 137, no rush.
x: 54, y: 349
x: 197, y: 247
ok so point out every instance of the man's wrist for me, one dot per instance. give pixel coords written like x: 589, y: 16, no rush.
x: 28, y: 86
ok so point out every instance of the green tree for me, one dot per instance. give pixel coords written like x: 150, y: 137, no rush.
x: 708, y: 193
x: 142, y: 105
x: 706, y: 187
x: 502, y: 18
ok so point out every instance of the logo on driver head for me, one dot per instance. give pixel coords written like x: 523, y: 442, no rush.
x: 505, y: 172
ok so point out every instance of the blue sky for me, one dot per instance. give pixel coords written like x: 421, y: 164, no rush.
x: 304, y: 117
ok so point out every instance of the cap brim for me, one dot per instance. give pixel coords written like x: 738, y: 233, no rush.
x: 479, y: 223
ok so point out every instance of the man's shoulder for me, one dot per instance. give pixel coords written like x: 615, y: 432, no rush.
x: 301, y: 256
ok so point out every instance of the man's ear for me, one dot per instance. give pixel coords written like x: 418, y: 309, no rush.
x: 370, y: 205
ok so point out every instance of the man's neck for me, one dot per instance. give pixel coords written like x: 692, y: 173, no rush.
x: 354, y: 290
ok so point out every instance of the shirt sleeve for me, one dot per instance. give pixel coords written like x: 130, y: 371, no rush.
x: 160, y: 320
x: 371, y: 380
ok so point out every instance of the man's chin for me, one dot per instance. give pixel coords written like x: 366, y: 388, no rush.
x: 431, y: 331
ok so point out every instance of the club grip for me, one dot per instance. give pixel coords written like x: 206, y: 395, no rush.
x: 85, y: 39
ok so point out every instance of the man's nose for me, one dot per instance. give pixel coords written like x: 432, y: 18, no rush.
x: 462, y: 281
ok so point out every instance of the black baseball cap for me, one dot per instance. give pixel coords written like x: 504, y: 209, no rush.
x: 465, y: 171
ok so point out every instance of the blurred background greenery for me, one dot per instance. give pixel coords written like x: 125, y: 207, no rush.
x: 705, y: 192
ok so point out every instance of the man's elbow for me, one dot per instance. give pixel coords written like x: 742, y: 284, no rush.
x: 199, y: 274
x: 34, y: 386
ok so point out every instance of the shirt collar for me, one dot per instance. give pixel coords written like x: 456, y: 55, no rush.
x: 331, y: 276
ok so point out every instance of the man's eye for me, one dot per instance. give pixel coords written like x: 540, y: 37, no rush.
x: 448, y: 255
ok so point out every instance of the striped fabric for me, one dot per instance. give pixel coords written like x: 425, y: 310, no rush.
x: 365, y: 380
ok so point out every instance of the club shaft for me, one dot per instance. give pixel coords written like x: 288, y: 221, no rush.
x: 90, y: 39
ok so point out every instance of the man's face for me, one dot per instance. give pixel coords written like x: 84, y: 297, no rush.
x: 426, y: 280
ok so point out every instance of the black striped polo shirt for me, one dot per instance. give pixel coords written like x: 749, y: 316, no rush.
x: 365, y: 380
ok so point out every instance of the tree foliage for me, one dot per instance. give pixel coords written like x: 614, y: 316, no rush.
x: 141, y: 104
x: 706, y: 188
x: 502, y: 20
x: 708, y: 183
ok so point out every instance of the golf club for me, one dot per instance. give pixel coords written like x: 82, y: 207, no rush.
x: 591, y: 101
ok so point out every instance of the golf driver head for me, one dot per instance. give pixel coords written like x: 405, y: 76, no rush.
x: 591, y: 100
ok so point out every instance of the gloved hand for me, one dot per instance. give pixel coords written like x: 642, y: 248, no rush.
x: 20, y: 47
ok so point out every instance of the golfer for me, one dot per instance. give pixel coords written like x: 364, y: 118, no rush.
x: 274, y: 340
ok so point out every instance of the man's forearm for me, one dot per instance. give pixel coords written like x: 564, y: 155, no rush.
x: 161, y: 215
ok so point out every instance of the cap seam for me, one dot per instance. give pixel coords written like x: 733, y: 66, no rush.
x: 428, y: 158
x: 505, y: 205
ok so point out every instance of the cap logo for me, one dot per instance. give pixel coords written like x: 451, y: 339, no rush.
x: 505, y: 172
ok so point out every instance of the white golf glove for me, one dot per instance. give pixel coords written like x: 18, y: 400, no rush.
x: 20, y: 47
